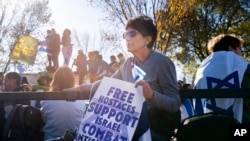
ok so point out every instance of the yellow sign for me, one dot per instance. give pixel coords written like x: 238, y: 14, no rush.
x: 25, y: 50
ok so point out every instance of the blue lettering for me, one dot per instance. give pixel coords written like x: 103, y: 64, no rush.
x: 111, y: 113
x: 111, y: 90
x: 134, y: 119
x: 116, y: 138
x: 104, y: 110
x: 84, y: 128
x: 121, y: 95
x: 119, y: 117
x: 124, y: 107
x: 91, y: 106
x: 109, y: 125
x: 80, y: 137
x: 115, y: 127
x: 108, y: 136
x: 98, y: 108
x: 106, y: 100
x: 117, y: 93
x: 124, y: 138
x: 132, y: 110
x: 92, y: 130
x: 126, y: 119
x: 130, y: 97
x: 113, y: 102
x: 99, y: 134
x: 124, y: 95
x: 101, y: 98
x: 104, y: 123
x: 119, y: 105
x: 98, y: 121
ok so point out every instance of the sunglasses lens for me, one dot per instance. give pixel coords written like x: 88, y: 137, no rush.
x: 130, y: 34
x: 124, y: 35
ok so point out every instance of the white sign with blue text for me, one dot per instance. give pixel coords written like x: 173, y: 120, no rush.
x: 113, y: 112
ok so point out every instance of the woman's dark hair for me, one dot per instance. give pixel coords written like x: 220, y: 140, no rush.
x: 145, y: 26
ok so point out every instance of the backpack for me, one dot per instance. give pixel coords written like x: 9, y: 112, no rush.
x: 206, y: 127
x: 163, y: 122
x: 24, y: 123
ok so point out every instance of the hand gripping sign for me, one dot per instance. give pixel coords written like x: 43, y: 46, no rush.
x: 113, y: 113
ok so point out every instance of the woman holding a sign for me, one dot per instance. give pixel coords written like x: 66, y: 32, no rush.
x: 155, y: 73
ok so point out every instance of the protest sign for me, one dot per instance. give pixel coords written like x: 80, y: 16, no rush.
x: 113, y: 112
x: 25, y: 50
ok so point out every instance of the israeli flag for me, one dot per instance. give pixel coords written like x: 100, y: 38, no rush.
x: 45, y: 50
x: 143, y: 131
x: 186, y: 109
x: 138, y: 73
x: 42, y: 49
x: 220, y: 70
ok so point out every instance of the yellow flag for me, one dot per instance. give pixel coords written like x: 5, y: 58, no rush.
x: 25, y: 50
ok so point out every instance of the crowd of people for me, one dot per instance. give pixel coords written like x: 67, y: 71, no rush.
x: 90, y: 66
x: 93, y: 67
x: 160, y: 86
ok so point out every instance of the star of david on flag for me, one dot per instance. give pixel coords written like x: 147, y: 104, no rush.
x: 230, y: 81
x: 143, y: 131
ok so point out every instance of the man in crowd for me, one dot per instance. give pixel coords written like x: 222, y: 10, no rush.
x: 11, y: 83
x: 223, y: 68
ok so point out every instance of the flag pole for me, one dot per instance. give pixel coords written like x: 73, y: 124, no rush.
x: 15, y: 66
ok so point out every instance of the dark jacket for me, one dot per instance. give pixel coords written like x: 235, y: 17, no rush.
x: 2, y: 112
x: 246, y: 101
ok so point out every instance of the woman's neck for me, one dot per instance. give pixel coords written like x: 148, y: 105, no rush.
x: 143, y: 54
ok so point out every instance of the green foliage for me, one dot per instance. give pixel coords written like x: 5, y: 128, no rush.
x: 185, y: 26
x: 243, y: 31
x: 192, y: 23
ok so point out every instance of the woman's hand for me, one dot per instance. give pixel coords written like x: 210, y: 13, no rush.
x: 147, y: 91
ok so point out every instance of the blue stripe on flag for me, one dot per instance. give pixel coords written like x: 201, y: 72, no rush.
x: 137, y: 77
x: 188, y: 107
x: 198, y: 110
x: 42, y: 49
x: 138, y: 73
x: 142, y: 132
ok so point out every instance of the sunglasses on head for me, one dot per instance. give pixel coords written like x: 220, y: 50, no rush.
x: 130, y: 34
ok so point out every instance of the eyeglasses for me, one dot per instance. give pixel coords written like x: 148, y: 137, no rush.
x: 131, y: 34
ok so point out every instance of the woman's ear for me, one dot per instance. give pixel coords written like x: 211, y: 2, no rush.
x: 148, y: 40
